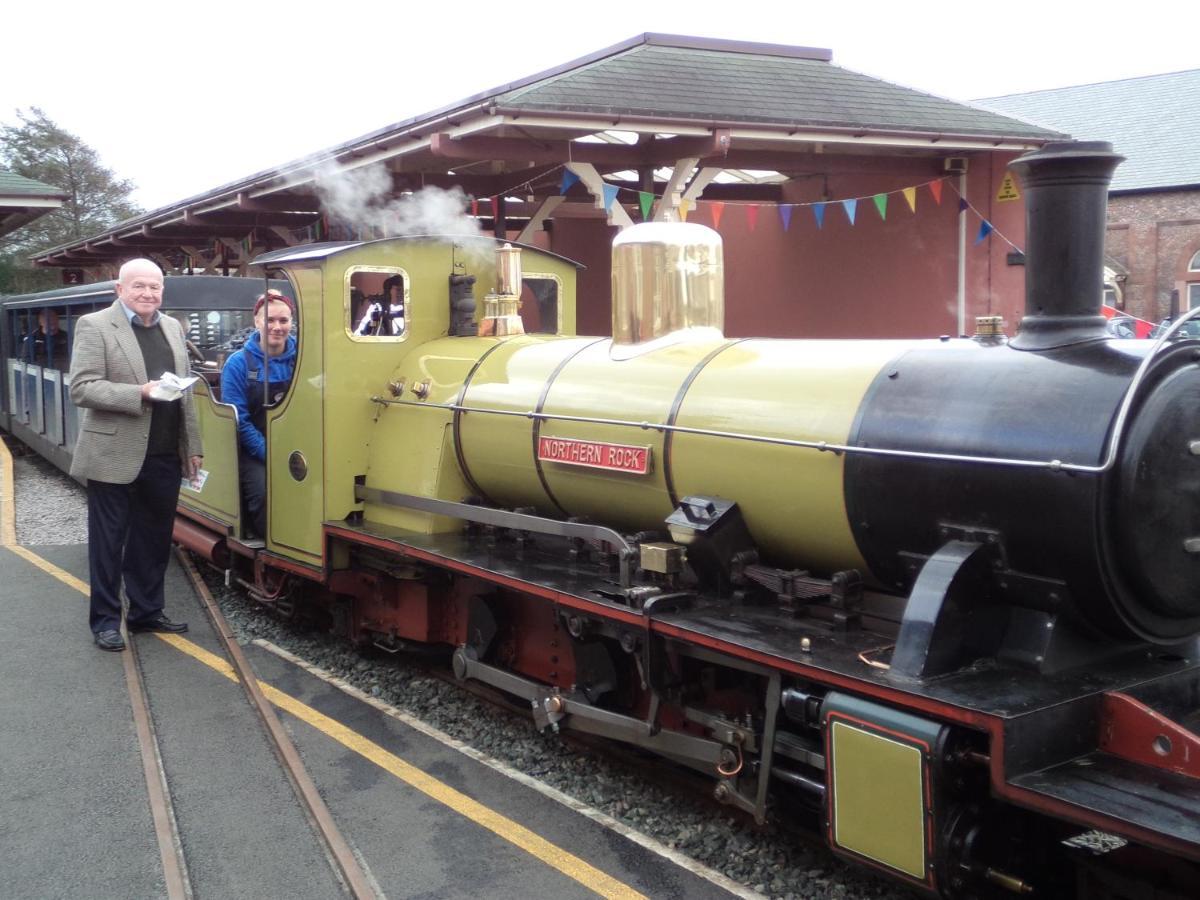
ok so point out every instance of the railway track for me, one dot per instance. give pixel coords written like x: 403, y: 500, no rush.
x: 342, y: 860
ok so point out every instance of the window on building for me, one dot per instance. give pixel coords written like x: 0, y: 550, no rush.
x: 1193, y: 287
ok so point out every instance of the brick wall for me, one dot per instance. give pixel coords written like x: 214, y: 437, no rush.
x: 1153, y: 236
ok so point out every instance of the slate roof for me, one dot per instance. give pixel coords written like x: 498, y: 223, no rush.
x: 22, y: 200
x: 673, y: 77
x: 1154, y: 121
x: 14, y: 185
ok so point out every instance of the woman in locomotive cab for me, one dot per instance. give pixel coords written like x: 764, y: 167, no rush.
x: 242, y: 386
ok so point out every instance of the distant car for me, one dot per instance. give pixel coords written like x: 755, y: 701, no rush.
x: 1190, y: 330
x: 1121, y: 327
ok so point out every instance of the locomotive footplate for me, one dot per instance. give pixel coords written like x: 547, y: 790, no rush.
x: 1045, y: 732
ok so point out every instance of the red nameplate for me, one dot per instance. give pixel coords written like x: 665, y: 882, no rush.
x: 595, y: 455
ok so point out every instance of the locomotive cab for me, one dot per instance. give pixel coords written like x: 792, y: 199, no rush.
x: 361, y: 308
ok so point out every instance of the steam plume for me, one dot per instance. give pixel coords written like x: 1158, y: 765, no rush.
x: 362, y: 199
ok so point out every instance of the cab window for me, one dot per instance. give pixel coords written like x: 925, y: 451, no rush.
x: 375, y: 303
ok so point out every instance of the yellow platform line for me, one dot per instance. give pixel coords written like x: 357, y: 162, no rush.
x: 8, y: 498
x: 552, y: 855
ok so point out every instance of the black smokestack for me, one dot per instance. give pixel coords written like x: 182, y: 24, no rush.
x: 1066, y: 198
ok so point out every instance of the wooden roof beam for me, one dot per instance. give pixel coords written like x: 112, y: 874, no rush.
x: 656, y: 151
x: 246, y: 219
x: 284, y: 201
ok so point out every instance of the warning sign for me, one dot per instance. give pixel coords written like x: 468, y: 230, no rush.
x: 1008, y: 189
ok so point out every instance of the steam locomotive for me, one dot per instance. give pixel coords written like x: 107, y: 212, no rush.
x: 940, y: 599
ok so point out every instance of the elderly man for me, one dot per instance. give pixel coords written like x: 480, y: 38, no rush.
x: 132, y: 450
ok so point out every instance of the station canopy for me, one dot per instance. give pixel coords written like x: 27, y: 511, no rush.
x: 666, y: 116
x: 22, y: 200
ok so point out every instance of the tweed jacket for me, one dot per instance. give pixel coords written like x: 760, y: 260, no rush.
x: 107, y: 374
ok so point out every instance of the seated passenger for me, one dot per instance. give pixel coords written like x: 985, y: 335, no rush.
x: 47, y: 346
x: 242, y: 386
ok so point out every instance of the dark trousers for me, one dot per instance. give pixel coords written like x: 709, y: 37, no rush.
x: 252, y: 473
x: 129, y: 537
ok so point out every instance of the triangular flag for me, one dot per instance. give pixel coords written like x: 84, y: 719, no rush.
x: 935, y: 188
x: 717, y: 208
x: 752, y: 215
x: 881, y: 205
x: 985, y: 228
x: 610, y: 194
x: 910, y: 194
x: 645, y: 200
x: 785, y: 213
x: 568, y: 179
x: 963, y: 206
x: 685, y: 207
x: 819, y: 214
x: 851, y: 206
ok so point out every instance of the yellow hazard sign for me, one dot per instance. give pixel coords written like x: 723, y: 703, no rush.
x: 1008, y: 189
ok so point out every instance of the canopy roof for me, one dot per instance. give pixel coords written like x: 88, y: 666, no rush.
x: 750, y: 115
x: 22, y: 200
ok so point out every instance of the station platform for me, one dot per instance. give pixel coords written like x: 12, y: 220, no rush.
x: 423, y: 818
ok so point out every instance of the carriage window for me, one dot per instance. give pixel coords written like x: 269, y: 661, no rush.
x: 540, y: 304
x: 44, y: 340
x: 375, y: 303
x: 215, y: 333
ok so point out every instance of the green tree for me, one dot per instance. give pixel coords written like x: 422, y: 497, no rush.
x: 41, y: 150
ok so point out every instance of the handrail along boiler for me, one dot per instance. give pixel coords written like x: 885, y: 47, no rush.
x: 938, y: 597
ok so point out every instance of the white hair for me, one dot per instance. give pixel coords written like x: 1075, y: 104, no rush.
x: 137, y: 265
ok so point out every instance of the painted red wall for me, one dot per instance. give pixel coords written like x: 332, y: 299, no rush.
x: 891, y: 276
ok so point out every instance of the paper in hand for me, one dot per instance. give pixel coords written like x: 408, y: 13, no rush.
x: 170, y: 386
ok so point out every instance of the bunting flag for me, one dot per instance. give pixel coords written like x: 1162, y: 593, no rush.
x: 716, y: 208
x: 645, y: 201
x: 963, y: 205
x: 685, y: 206
x: 819, y: 214
x: 851, y: 207
x: 785, y: 213
x: 610, y: 194
x: 568, y: 179
x: 752, y: 215
x: 985, y: 228
x: 910, y: 195
x: 935, y: 188
x: 881, y: 205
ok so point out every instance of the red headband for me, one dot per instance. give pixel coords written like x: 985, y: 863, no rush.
x: 275, y: 297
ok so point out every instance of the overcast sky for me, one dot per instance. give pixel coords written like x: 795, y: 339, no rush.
x: 181, y: 98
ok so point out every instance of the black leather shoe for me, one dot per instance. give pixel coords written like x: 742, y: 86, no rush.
x: 109, y: 640
x: 160, y: 623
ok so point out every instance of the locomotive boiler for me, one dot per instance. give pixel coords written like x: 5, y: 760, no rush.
x: 943, y: 595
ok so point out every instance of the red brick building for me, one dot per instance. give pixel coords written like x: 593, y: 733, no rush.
x: 1153, y: 242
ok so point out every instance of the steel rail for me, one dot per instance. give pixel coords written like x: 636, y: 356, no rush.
x: 341, y: 857
x: 162, y: 811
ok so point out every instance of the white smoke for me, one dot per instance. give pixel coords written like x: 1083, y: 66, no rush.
x: 362, y: 199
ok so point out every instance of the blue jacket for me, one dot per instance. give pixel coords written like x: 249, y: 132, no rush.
x: 241, y: 385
